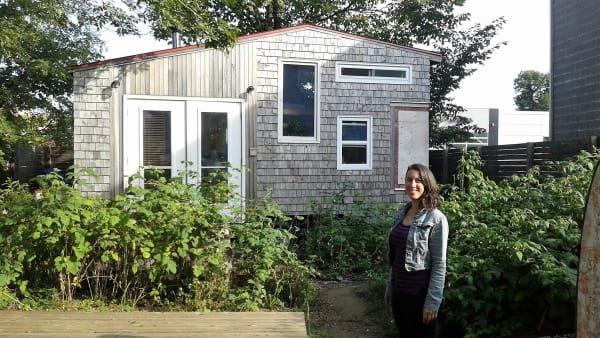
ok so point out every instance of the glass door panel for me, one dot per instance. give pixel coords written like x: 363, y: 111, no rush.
x: 153, y: 137
x: 195, y: 136
x: 156, y: 131
x: 214, y: 139
x: 213, y: 142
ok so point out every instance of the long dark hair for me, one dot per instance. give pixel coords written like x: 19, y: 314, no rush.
x: 431, y: 196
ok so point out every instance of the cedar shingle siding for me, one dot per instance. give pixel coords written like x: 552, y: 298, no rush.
x: 575, y: 69
x: 291, y: 173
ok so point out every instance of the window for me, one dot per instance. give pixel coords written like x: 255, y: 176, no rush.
x: 214, y: 146
x: 157, y: 144
x: 354, y: 143
x: 372, y: 73
x: 298, y: 115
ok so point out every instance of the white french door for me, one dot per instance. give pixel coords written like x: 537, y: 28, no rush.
x: 214, y: 139
x: 182, y: 135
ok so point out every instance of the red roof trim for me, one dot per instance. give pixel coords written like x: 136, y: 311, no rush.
x: 143, y: 56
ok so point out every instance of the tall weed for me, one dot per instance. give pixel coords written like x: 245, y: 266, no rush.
x: 348, y: 239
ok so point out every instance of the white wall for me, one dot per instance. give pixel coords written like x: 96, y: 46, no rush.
x: 523, y: 126
x: 480, y: 116
x: 512, y: 126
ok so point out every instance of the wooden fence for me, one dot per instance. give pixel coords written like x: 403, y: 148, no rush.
x: 31, y: 161
x: 506, y: 160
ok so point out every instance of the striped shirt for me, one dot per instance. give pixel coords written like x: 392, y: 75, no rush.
x: 405, y: 282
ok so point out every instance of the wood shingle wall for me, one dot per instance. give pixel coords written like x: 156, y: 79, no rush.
x: 291, y: 173
x: 298, y: 173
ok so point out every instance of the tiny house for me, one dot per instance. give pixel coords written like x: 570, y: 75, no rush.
x: 296, y: 113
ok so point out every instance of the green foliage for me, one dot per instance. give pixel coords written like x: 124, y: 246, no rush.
x: 7, y: 141
x: 434, y: 23
x: 348, y: 238
x: 196, y: 21
x: 266, y: 270
x: 220, y: 22
x: 532, y: 90
x: 167, y: 245
x: 513, y: 247
x: 39, y: 40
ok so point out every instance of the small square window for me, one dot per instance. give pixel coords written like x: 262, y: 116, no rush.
x: 354, y: 143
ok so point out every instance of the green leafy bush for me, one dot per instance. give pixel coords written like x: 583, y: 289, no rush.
x: 513, y: 247
x: 265, y: 266
x: 344, y: 239
x: 167, y: 244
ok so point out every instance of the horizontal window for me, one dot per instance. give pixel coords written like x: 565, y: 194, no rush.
x: 372, y: 73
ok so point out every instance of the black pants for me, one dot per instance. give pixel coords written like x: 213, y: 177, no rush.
x: 408, y: 316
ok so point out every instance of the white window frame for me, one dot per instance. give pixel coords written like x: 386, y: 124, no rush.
x: 298, y: 139
x: 368, y: 142
x: 372, y: 79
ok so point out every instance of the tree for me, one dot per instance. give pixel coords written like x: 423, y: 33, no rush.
x: 218, y: 23
x: 532, y: 89
x: 38, y: 41
x: 433, y: 23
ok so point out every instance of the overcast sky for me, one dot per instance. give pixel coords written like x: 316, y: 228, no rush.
x: 527, y: 33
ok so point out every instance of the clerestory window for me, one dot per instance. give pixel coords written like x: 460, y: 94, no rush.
x: 372, y: 73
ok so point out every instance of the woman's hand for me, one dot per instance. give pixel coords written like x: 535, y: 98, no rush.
x: 429, y: 316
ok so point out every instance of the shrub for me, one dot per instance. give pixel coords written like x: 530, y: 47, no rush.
x: 513, y: 247
x: 348, y: 238
x: 167, y: 244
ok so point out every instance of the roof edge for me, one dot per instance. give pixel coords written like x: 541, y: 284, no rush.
x: 433, y: 56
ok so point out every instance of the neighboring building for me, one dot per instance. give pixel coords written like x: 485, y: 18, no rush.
x: 507, y: 127
x: 485, y: 118
x: 575, y: 69
x: 306, y: 110
x: 523, y: 126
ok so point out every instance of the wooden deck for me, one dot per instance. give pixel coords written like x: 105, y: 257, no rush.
x: 151, y: 324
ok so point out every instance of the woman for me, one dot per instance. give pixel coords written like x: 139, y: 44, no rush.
x: 417, y: 255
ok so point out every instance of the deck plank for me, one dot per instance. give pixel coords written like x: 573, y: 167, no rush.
x: 152, y: 324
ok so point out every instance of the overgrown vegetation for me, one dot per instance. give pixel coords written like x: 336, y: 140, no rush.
x: 513, y: 250
x: 167, y: 246
x: 512, y: 258
x: 348, y: 239
x: 514, y: 246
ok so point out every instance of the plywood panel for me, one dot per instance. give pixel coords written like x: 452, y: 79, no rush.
x: 152, y: 324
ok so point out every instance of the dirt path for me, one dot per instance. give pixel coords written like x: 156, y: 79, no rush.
x: 340, y: 312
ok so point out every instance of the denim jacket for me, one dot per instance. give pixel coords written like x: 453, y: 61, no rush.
x: 426, y: 249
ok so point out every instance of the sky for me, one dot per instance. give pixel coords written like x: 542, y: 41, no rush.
x: 526, y: 31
